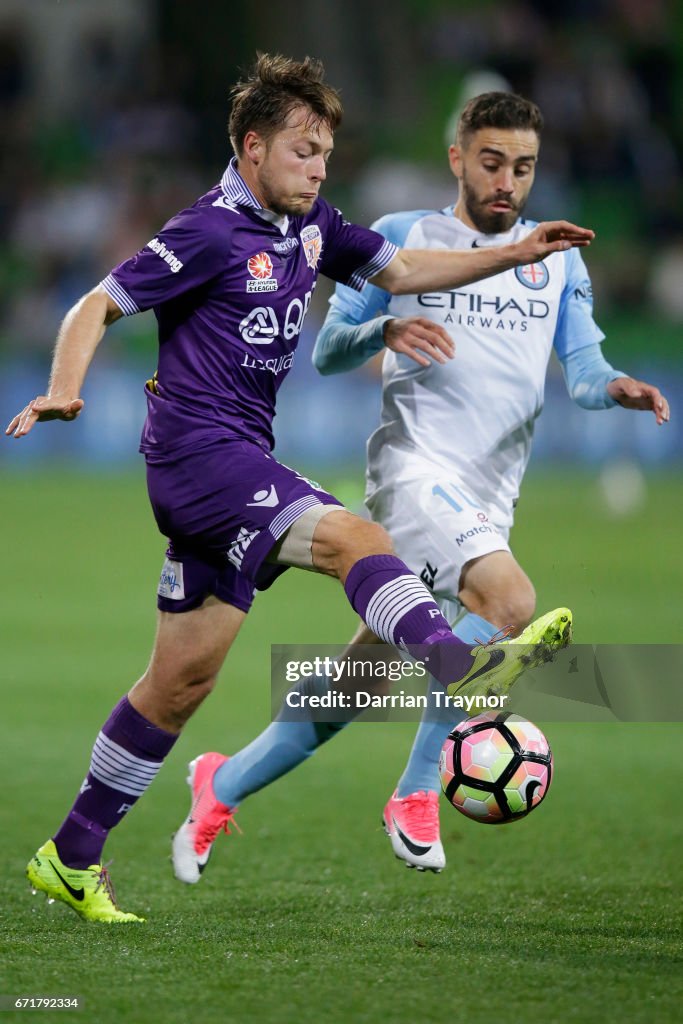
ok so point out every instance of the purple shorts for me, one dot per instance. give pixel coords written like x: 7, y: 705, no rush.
x: 223, y: 509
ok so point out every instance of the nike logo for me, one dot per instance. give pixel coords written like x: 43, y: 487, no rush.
x: 475, y: 245
x: 495, y: 659
x: 408, y: 843
x: 78, y: 894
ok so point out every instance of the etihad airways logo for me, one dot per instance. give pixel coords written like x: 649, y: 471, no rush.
x: 167, y: 255
x: 498, y: 312
x: 472, y: 302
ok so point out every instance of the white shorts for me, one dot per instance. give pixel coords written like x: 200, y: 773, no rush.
x: 437, y: 526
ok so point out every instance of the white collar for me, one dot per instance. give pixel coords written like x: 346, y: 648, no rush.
x: 238, y: 193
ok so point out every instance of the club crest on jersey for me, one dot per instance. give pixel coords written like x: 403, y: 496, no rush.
x: 312, y: 241
x: 533, y: 275
x: 261, y: 269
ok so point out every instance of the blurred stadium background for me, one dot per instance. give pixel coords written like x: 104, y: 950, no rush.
x: 114, y: 118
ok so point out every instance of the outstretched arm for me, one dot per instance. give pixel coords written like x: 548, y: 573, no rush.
x: 414, y: 270
x: 594, y: 384
x: 80, y: 334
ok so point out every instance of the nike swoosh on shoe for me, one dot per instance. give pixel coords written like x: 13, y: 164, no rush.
x: 495, y: 658
x: 78, y: 894
x: 419, y: 851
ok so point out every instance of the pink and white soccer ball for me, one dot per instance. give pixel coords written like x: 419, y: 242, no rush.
x: 496, y: 768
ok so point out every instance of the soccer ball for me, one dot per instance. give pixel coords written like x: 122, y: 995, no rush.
x: 495, y: 768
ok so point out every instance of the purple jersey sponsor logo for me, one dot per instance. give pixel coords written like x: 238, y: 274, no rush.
x: 274, y: 366
x: 246, y: 281
x: 167, y: 255
x: 260, y: 327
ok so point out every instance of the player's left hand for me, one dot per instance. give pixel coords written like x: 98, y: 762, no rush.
x: 636, y: 394
x: 552, y: 236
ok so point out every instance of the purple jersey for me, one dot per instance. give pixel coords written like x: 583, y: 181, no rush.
x: 230, y: 283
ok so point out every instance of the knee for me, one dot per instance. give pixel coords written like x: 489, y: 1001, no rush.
x: 343, y: 540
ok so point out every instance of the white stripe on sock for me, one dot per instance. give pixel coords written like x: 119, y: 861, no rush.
x: 391, y: 602
x: 117, y: 768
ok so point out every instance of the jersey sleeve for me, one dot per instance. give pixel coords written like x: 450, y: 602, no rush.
x: 358, y: 306
x: 343, y: 345
x: 587, y: 374
x: 352, y: 254
x: 186, y: 253
x: 353, y: 331
x: 576, y: 327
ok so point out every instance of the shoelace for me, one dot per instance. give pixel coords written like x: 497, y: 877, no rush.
x: 208, y: 830
x: 104, y: 882
x: 422, y: 814
x: 498, y: 637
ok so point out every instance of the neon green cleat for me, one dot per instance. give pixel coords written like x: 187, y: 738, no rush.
x: 89, y: 892
x: 497, y: 666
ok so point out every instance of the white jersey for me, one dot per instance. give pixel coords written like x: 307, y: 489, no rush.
x: 475, y: 415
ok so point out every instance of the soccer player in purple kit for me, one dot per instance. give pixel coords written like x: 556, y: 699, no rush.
x: 230, y: 280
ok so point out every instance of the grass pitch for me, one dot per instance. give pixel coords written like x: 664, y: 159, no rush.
x: 572, y: 914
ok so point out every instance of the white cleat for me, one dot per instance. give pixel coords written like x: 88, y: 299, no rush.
x: 412, y: 824
x: 193, y: 842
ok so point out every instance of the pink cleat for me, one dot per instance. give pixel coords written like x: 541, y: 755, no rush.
x: 194, y: 839
x: 412, y: 824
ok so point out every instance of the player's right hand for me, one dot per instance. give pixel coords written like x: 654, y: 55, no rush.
x: 55, y: 407
x: 419, y: 339
x: 552, y: 236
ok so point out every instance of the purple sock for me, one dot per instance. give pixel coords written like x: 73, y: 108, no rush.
x: 399, y: 609
x: 127, y: 755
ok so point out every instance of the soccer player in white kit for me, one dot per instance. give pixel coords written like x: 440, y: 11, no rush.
x: 463, y: 384
x: 446, y: 464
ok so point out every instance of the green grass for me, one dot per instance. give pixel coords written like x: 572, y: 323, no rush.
x: 572, y: 915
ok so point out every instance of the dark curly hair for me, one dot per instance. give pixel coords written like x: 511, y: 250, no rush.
x: 497, y: 110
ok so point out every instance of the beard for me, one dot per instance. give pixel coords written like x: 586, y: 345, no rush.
x: 490, y: 222
x: 282, y: 204
x: 290, y: 207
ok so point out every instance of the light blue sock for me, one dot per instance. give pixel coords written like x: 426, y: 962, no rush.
x: 422, y: 769
x: 278, y: 749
